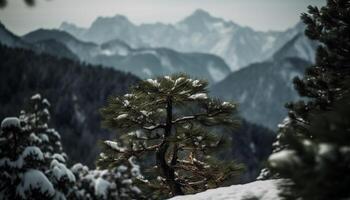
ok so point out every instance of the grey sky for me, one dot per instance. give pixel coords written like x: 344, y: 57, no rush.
x: 258, y: 14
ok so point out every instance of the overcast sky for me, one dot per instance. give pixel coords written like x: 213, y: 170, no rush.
x: 258, y: 14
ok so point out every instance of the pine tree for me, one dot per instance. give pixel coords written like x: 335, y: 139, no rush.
x: 21, y: 165
x: 31, y: 156
x: 35, y: 119
x: 315, y: 137
x: 173, y: 119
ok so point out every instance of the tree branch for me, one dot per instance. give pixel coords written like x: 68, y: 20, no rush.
x: 191, y: 117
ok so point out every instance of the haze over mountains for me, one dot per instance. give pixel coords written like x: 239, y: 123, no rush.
x: 239, y: 46
x: 203, y: 46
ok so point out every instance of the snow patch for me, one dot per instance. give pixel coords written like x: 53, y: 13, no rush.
x: 284, y: 158
x: 114, y: 145
x: 10, y: 122
x: 33, y: 152
x: 262, y: 190
x: 60, y: 171
x: 34, y: 180
x: 122, y: 116
x: 153, y: 82
x: 101, y: 187
x: 36, y: 97
x: 198, y: 96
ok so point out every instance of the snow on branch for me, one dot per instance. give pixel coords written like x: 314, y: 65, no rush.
x: 115, y: 146
x: 10, y: 122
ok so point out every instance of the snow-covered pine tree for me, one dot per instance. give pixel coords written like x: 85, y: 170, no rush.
x: 171, y: 122
x: 35, y: 119
x: 21, y: 165
x: 32, y: 160
x: 116, y: 183
x: 315, y: 138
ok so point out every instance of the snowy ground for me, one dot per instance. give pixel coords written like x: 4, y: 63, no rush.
x: 262, y: 190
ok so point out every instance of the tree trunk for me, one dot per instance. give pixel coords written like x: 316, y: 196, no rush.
x: 168, y: 172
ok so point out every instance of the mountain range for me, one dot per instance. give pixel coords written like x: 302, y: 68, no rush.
x: 261, y: 88
x: 200, y: 32
x: 143, y: 62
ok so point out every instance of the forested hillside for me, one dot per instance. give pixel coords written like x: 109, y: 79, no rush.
x: 76, y: 92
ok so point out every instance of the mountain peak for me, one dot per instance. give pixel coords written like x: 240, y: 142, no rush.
x: 120, y: 17
x: 201, y: 21
x: 112, y: 21
x: 198, y: 17
x: 116, y: 18
x: 201, y: 13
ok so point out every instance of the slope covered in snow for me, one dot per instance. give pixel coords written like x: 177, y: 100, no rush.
x: 262, y: 190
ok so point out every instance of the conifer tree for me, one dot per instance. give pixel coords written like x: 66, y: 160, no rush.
x: 21, y: 165
x: 315, y: 137
x: 171, y: 120
x: 32, y: 158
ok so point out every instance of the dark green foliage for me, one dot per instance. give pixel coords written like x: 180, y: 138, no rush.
x: 322, y: 82
x: 75, y: 90
x: 32, y: 162
x: 317, y: 165
x: 315, y: 138
x: 173, y: 120
x: 251, y: 145
x: 15, y: 163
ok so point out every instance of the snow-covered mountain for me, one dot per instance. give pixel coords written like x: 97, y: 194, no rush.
x: 199, y: 32
x: 144, y: 62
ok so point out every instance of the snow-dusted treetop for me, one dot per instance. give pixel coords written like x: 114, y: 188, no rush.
x: 34, y: 180
x: 10, y: 122
x: 36, y: 96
